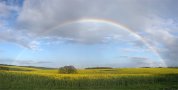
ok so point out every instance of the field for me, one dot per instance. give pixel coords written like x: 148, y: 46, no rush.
x: 31, y: 78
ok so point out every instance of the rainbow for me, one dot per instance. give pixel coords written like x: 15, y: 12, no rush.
x: 109, y: 22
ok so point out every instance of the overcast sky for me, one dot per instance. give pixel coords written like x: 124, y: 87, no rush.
x: 85, y: 33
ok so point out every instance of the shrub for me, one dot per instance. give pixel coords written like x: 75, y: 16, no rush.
x: 68, y: 70
x: 4, y: 68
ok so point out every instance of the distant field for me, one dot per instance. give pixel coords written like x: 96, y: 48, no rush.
x: 30, y: 78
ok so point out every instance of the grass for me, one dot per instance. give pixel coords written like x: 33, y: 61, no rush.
x: 25, y: 78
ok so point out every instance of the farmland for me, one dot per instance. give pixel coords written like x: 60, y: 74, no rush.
x: 31, y: 78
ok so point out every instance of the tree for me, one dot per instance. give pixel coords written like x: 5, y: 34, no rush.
x: 68, y: 70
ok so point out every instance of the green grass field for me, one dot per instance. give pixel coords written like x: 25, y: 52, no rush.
x: 28, y: 78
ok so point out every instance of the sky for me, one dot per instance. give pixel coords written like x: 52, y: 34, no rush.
x: 89, y: 33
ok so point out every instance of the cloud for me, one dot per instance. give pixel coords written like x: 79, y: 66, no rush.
x: 39, y: 18
x: 154, y: 20
x: 143, y: 62
x: 162, y: 34
x: 18, y: 38
x: 145, y: 17
x: 135, y: 61
x: 33, y: 63
x: 51, y: 13
x: 8, y: 12
x: 87, y: 33
x: 36, y: 18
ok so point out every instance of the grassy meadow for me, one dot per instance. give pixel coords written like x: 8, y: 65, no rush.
x: 31, y: 78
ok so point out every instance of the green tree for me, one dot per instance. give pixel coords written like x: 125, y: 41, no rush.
x: 68, y: 70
